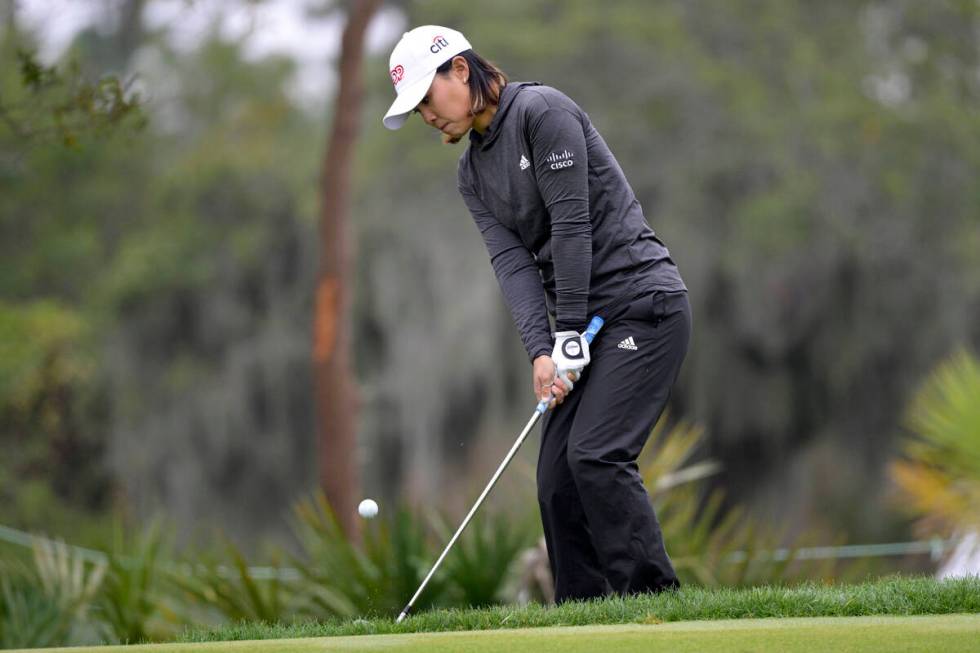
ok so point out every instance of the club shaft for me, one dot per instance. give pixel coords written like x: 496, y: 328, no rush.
x: 476, y: 506
x: 594, y: 326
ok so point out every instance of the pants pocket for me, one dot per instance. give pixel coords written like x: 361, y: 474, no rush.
x: 659, y: 308
x: 653, y: 307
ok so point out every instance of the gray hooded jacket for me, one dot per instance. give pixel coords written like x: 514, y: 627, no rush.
x: 563, y: 228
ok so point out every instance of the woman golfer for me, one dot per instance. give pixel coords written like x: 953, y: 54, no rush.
x: 566, y: 236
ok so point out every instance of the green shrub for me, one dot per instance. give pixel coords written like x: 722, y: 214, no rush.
x: 47, y: 603
x: 482, y: 562
x: 133, y: 606
x: 234, y: 590
x: 29, y: 616
x: 342, y: 578
x: 939, y: 473
x: 710, y: 544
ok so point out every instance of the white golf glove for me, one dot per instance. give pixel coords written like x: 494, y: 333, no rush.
x: 571, y: 355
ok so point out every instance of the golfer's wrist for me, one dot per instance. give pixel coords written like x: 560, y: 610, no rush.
x: 542, y: 350
x: 543, y: 371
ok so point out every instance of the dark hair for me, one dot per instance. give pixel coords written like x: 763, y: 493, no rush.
x: 485, y: 80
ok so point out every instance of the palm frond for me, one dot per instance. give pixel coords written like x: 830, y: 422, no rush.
x: 939, y: 475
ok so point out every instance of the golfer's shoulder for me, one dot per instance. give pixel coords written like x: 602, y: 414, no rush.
x: 538, y: 99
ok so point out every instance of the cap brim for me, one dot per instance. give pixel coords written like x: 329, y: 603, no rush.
x: 407, y: 99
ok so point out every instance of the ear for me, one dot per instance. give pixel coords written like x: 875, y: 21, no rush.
x: 461, y: 69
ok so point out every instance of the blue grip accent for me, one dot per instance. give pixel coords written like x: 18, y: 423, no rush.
x: 593, y: 329
x: 543, y: 406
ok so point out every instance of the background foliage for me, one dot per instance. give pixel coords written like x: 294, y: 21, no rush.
x: 139, y: 591
x: 939, y: 474
x: 811, y: 166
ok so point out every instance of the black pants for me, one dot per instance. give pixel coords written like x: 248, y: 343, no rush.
x: 600, y: 528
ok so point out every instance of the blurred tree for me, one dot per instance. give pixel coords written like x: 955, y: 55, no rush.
x: 51, y: 453
x: 208, y: 354
x: 810, y: 166
x: 178, y: 256
x: 58, y: 106
x: 58, y: 103
x: 52, y: 404
x: 336, y: 396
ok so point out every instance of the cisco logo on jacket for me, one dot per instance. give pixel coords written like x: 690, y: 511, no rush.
x: 559, y: 161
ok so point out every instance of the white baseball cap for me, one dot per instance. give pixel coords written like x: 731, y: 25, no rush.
x: 413, y: 64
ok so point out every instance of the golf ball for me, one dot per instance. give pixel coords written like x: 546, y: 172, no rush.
x: 368, y: 508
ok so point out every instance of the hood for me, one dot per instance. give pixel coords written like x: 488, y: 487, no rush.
x: 507, y: 96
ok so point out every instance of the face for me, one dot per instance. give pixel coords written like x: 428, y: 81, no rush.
x: 446, y: 106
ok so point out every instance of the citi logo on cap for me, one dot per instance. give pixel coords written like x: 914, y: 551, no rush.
x: 438, y: 43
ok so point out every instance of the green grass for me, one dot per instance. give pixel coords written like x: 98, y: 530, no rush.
x: 888, y: 596
x: 946, y: 633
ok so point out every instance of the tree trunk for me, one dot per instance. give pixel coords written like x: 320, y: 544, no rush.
x: 130, y: 34
x: 335, y: 387
x: 8, y: 17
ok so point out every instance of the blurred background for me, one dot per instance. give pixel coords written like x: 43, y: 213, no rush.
x: 225, y: 318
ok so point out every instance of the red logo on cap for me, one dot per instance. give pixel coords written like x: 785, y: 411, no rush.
x: 397, y: 73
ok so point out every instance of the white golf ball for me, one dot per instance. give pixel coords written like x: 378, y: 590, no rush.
x: 368, y: 508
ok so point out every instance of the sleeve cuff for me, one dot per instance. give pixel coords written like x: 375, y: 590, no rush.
x: 539, y: 350
x: 570, y: 324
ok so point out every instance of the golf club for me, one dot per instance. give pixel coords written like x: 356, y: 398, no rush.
x: 540, y: 410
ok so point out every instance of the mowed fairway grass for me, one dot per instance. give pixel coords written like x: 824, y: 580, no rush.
x: 943, y: 633
x: 887, y: 614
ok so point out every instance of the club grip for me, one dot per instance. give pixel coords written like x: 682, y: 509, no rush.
x: 594, y: 325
